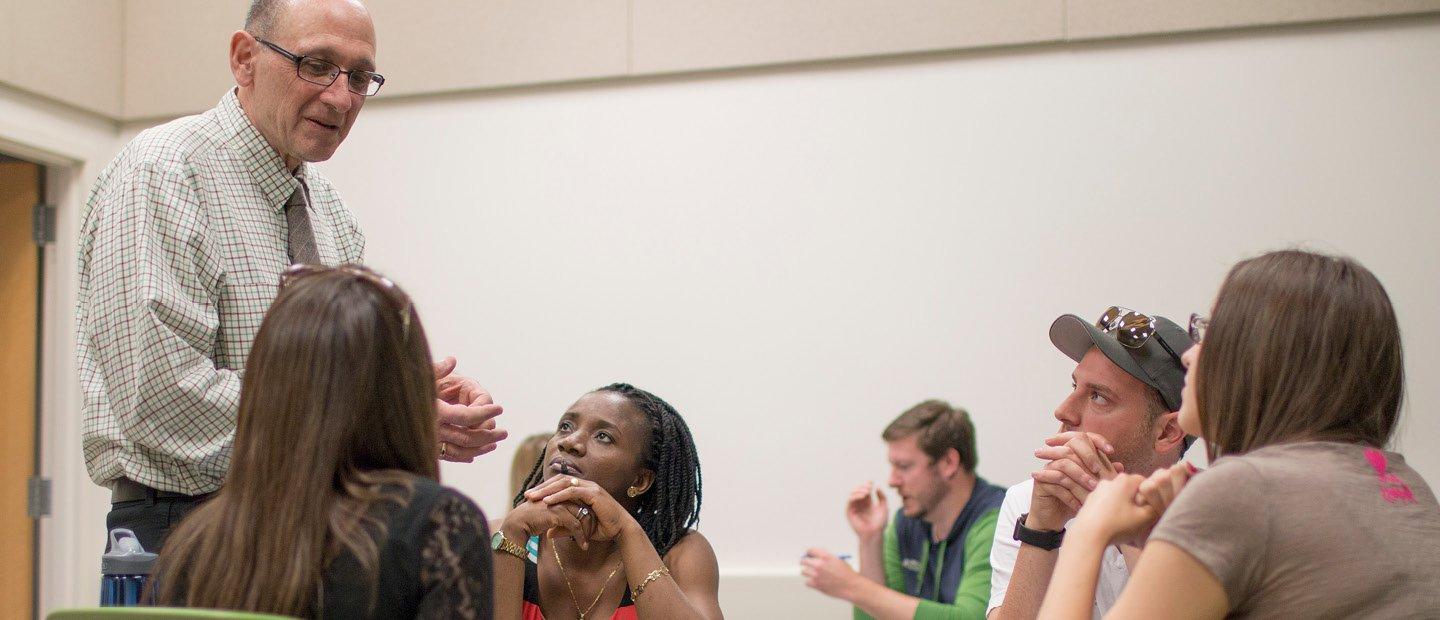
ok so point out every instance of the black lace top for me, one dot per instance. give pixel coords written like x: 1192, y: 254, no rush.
x: 435, y: 563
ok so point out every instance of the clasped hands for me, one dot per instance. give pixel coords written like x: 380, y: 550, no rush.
x: 1081, y: 482
x: 566, y: 506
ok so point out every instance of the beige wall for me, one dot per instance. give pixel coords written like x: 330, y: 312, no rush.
x: 66, y: 50
x: 143, y: 59
x: 176, y: 54
x: 1099, y: 19
x: 491, y: 44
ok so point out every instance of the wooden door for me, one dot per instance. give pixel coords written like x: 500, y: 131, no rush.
x: 19, y: 290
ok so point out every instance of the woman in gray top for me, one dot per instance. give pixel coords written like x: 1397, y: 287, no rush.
x: 1304, y: 514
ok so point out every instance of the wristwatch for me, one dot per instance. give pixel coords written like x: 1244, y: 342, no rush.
x: 1043, y: 539
x: 498, y: 542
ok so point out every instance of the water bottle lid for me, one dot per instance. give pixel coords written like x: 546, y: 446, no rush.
x: 126, y: 555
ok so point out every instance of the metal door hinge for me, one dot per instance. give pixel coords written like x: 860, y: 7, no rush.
x: 39, y: 497
x: 43, y: 224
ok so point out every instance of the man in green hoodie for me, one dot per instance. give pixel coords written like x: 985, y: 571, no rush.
x: 932, y: 560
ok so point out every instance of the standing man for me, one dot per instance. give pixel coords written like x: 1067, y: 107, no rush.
x: 933, y: 560
x: 1120, y: 416
x: 182, y: 244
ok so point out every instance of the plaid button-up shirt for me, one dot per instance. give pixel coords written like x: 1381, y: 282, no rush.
x: 182, y: 243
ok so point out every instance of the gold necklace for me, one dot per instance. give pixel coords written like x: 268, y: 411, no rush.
x: 556, y: 550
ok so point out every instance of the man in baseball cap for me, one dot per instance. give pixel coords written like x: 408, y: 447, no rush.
x: 1120, y: 416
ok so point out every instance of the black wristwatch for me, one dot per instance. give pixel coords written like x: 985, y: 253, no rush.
x: 1043, y: 539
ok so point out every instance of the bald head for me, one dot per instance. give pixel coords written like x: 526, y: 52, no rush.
x: 265, y: 17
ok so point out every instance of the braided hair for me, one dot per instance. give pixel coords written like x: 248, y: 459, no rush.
x: 671, y: 506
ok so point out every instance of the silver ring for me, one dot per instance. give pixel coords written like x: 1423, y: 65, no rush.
x: 582, y: 513
x: 574, y: 481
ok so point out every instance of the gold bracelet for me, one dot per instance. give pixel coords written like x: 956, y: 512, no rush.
x: 654, y: 574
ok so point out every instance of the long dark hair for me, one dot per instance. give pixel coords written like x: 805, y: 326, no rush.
x: 336, y: 415
x: 672, y: 505
x: 1301, y: 346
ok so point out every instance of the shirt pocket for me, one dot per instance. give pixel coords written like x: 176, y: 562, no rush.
x: 245, y: 296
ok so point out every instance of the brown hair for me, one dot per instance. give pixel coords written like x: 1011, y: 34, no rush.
x: 940, y: 427
x: 1301, y: 346
x: 337, y: 414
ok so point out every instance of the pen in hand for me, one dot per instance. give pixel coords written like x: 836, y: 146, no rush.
x: 842, y: 556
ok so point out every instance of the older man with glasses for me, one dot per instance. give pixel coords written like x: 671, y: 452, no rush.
x: 182, y: 242
x: 1120, y: 416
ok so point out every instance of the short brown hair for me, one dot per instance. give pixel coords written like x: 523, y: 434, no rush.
x: 1302, y: 346
x: 262, y: 17
x: 939, y: 427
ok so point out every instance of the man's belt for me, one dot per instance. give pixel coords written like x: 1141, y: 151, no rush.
x: 127, y: 490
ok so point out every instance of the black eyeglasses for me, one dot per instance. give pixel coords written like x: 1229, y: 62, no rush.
x: 1198, y: 325
x: 1132, y: 329
x: 323, y: 72
x: 388, y: 289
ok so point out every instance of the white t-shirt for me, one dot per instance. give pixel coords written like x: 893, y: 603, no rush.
x: 1003, y: 552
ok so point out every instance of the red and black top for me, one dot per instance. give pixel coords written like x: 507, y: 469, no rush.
x: 530, y: 608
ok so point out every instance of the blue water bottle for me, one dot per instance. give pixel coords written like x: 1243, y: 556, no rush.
x: 124, y: 570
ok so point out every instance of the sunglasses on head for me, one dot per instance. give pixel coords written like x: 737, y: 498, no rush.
x: 388, y: 289
x: 1132, y: 328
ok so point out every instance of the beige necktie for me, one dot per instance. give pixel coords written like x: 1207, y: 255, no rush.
x: 302, y: 240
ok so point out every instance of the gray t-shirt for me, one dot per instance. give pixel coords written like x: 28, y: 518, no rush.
x: 1313, y: 530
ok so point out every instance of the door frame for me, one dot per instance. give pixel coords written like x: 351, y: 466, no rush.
x: 36, y: 384
x: 67, y: 568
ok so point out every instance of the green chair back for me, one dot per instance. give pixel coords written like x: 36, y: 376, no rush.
x: 156, y: 613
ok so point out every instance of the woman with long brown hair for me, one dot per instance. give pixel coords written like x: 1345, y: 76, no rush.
x: 1296, y: 389
x: 332, y: 505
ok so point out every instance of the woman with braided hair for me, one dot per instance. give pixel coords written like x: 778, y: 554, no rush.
x: 608, y: 513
